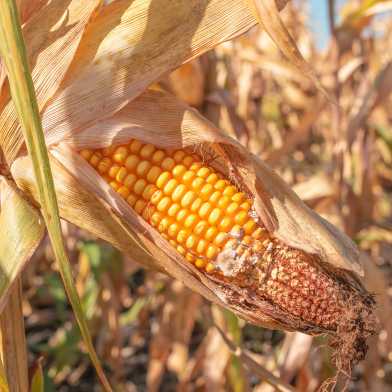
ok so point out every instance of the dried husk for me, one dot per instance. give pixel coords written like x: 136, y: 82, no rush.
x: 157, y: 117
x: 104, y: 64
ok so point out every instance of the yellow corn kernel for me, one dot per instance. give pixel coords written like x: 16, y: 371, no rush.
x: 212, y: 178
x: 191, y: 220
x: 188, y: 199
x: 130, y: 180
x: 191, y: 241
x: 158, y: 157
x: 156, y: 197
x: 188, y: 177
x: 131, y: 200
x: 147, y: 212
x: 226, y: 224
x: 232, y: 208
x: 104, y: 165
x: 149, y: 190
x: 201, y: 246
x: 200, y: 263
x: 187, y: 161
x: 147, y: 150
x: 178, y: 192
x: 212, y: 252
x: 164, y: 204
x: 224, y: 202
x: 238, y: 197
x: 121, y: 174
x: 179, y: 171
x: 135, y: 146
x: 179, y: 155
x: 168, y: 164
x: 120, y: 154
x: 95, y: 159
x: 173, y: 210
x: 197, y: 184
x: 215, y: 197
x: 205, y: 210
x: 211, y: 233
x: 143, y: 168
x: 190, y: 257
x: 140, y: 205
x: 131, y: 162
x: 259, y: 233
x: 170, y: 186
x: 246, y: 205
x: 249, y: 226
x: 221, y: 185
x: 181, y: 215
x: 201, y: 227
x: 164, y: 225
x: 182, y: 236
x: 241, y: 218
x: 163, y: 179
x: 195, y: 166
x: 115, y: 185
x: 153, y: 174
x: 156, y: 217
x: 86, y: 154
x: 203, y: 172
x: 206, y: 191
x: 181, y: 250
x: 195, y: 206
x: 108, y: 151
x: 221, y: 239
x: 230, y: 191
x: 139, y: 186
x: 113, y: 171
x: 123, y: 191
x: 173, y: 230
x: 215, y: 216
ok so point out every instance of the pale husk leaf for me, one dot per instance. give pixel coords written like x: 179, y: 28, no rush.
x: 52, y: 36
x: 22, y: 229
x: 128, y: 46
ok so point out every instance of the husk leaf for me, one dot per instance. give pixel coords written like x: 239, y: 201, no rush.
x: 52, y: 36
x: 22, y: 229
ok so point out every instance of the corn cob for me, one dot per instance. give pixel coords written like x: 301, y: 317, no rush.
x: 210, y: 222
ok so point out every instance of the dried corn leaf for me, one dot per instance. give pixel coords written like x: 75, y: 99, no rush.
x: 377, y: 94
x: 52, y: 36
x: 22, y: 229
x: 117, y: 61
x: 268, y: 16
x: 28, y: 7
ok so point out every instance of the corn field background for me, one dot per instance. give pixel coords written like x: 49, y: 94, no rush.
x: 152, y: 333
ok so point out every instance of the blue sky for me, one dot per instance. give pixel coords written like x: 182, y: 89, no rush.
x: 319, y: 21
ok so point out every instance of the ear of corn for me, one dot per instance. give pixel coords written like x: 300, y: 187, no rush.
x: 209, y: 221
